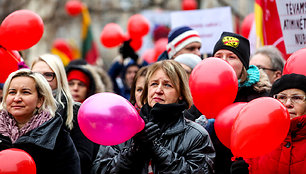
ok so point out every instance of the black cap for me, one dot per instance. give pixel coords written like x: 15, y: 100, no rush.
x: 289, y: 81
x: 235, y: 43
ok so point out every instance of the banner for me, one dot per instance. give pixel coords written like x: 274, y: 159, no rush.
x: 292, y: 15
x: 210, y: 23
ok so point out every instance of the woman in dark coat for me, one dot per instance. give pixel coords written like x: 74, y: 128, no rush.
x: 28, y: 122
x: 168, y: 143
x: 52, y: 68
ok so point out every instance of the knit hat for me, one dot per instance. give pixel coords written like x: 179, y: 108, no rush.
x: 235, y: 43
x: 289, y: 81
x: 188, y: 59
x: 78, y: 75
x: 179, y: 37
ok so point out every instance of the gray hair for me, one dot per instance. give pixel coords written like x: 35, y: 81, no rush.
x: 275, y: 56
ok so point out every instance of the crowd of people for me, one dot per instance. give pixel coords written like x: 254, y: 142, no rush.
x: 40, y: 106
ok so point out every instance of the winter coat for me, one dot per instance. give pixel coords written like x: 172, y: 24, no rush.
x: 183, y: 147
x: 86, y: 149
x: 289, y: 157
x: 50, y: 146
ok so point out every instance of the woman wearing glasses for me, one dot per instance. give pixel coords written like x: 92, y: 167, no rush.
x: 52, y: 68
x: 290, y: 156
x: 28, y: 121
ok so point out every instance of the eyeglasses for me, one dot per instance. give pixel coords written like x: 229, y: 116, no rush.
x: 263, y: 68
x: 294, y: 99
x: 49, y: 76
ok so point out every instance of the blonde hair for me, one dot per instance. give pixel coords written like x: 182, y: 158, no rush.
x: 57, y: 66
x: 176, y: 74
x: 42, y: 86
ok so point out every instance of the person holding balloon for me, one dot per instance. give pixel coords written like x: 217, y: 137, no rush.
x: 169, y: 143
x: 289, y: 157
x: 52, y: 68
x: 252, y: 83
x: 28, y: 121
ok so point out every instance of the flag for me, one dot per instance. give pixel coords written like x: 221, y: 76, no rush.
x: 89, y: 48
x: 268, y: 27
x: 67, y: 51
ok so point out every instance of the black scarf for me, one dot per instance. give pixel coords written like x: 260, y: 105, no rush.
x: 163, y: 114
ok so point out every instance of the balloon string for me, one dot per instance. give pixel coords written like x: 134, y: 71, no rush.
x: 13, y: 56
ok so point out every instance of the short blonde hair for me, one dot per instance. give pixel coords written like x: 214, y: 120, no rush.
x: 55, y: 63
x: 176, y: 74
x: 42, y: 86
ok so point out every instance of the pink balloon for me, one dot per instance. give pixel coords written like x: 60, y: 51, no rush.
x: 109, y: 119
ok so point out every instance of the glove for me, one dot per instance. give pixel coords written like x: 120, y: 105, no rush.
x: 127, y: 51
x: 239, y: 166
x: 148, y: 134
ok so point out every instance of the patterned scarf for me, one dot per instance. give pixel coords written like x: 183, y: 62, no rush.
x: 9, y: 127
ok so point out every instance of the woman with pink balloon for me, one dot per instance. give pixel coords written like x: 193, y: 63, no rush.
x: 169, y: 143
x: 289, y: 156
x: 28, y: 121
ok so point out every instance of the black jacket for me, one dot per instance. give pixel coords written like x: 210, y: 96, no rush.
x: 183, y: 147
x: 86, y: 149
x: 50, y: 146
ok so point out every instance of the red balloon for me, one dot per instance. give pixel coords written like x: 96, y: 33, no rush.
x: 63, y: 46
x: 296, y: 63
x: 224, y: 121
x: 16, y: 161
x: 213, y: 85
x: 260, y: 127
x: 112, y: 35
x: 21, y: 30
x: 247, y: 25
x: 8, y: 63
x: 160, y: 46
x: 74, y: 7
x: 136, y: 43
x: 189, y: 5
x: 138, y: 26
x: 149, y: 55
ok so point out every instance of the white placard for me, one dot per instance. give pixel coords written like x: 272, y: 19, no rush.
x: 210, y: 23
x: 292, y: 16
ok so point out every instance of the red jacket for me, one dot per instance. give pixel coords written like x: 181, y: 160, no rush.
x: 289, y: 157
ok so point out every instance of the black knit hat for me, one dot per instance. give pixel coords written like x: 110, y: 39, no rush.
x: 235, y: 43
x: 289, y: 81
